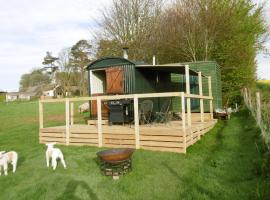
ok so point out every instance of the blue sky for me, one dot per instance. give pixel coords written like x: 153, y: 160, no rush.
x: 29, y: 28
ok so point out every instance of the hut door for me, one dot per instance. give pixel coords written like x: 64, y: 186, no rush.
x: 114, y: 78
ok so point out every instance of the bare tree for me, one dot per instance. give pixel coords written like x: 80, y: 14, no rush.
x: 65, y: 73
x: 130, y: 23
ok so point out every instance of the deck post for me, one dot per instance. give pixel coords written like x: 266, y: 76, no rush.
x: 184, y: 121
x: 136, y: 121
x: 210, y: 95
x: 99, y: 122
x: 67, y: 122
x: 201, y: 94
x: 188, y: 92
x: 72, y: 113
x: 40, y: 105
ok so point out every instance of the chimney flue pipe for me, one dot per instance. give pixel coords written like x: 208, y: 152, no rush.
x: 125, y: 52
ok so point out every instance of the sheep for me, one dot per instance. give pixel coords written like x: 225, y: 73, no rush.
x: 84, y: 107
x: 54, y: 154
x: 6, y: 158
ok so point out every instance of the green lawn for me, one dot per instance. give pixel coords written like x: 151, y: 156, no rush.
x: 222, y: 165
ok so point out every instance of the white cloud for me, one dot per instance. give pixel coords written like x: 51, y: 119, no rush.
x: 29, y: 28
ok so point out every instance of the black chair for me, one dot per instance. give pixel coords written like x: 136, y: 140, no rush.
x: 163, y: 115
x: 145, y: 111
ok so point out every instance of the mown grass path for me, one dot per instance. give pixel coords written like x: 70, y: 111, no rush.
x: 220, y: 166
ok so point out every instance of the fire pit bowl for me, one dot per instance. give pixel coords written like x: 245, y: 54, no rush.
x: 115, y: 155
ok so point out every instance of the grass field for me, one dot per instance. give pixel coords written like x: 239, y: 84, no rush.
x: 222, y: 165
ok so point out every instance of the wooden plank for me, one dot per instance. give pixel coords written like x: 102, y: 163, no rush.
x: 162, y: 144
x: 67, y: 122
x: 195, y: 96
x: 83, y: 144
x: 99, y: 122
x: 184, y: 121
x: 117, y: 146
x: 84, y: 140
x: 119, y: 142
x: 130, y: 96
x: 161, y: 138
x: 115, y: 136
x: 52, y: 130
x: 52, y: 135
x: 188, y: 98
x: 136, y: 121
x: 87, y: 136
x: 176, y: 150
x: 201, y: 94
x: 210, y: 94
x: 161, y: 132
x: 50, y: 139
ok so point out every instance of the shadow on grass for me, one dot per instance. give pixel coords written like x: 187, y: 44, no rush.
x: 71, y: 188
x: 218, y: 144
x: 190, y: 183
x: 21, y: 160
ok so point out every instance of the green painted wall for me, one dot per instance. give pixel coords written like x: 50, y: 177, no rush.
x: 210, y: 68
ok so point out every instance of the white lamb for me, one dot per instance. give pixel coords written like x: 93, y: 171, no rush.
x: 84, y: 107
x: 54, y: 154
x: 6, y: 158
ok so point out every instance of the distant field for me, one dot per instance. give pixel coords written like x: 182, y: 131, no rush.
x: 222, y: 165
x: 264, y: 81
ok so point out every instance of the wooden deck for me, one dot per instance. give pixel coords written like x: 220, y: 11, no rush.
x: 157, y: 137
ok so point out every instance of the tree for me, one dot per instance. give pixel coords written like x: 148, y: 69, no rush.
x: 34, y: 78
x: 65, y: 74
x: 80, y: 57
x: 228, y: 31
x: 129, y: 24
x: 50, y: 65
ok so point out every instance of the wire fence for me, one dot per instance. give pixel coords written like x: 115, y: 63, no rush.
x: 259, y: 105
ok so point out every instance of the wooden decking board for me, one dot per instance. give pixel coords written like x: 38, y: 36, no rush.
x: 161, y: 144
x: 119, y: 146
x: 86, y: 136
x: 176, y: 150
x: 83, y: 144
x: 120, y: 142
x: 83, y: 140
x: 161, y: 138
x: 118, y: 136
x: 52, y: 134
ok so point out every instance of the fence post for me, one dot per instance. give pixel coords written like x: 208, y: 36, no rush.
x: 210, y: 95
x: 184, y: 121
x: 136, y: 121
x: 40, y: 114
x: 67, y: 122
x: 72, y: 113
x: 188, y: 98
x: 99, y: 113
x: 201, y: 94
x: 249, y: 99
x: 258, y: 108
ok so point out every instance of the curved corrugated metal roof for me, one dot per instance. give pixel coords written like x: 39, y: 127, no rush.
x: 108, y: 62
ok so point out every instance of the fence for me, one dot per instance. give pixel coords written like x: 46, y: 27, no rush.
x: 259, y: 105
x: 174, y: 138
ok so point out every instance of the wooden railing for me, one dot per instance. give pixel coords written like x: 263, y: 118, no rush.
x: 69, y: 102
